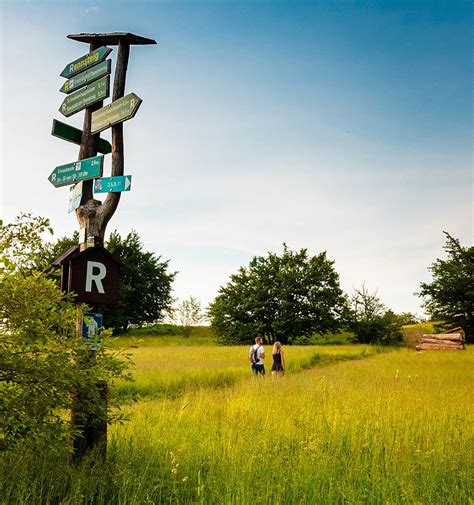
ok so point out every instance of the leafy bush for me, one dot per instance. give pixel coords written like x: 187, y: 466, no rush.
x: 42, y: 363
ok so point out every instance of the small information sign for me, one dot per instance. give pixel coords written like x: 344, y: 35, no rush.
x: 75, y: 196
x: 91, y: 329
x: 115, y: 184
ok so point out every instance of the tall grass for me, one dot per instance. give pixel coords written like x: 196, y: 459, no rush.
x: 394, y: 428
x: 413, y: 333
x: 166, y: 371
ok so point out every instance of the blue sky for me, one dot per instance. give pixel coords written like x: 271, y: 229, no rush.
x: 338, y: 126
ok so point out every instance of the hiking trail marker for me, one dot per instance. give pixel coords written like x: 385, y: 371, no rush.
x: 116, y: 112
x: 71, y: 173
x: 90, y: 94
x: 85, y: 62
x: 91, y: 75
x: 115, y: 184
x: 89, y: 270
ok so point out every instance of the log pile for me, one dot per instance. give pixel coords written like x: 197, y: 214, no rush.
x: 453, y: 340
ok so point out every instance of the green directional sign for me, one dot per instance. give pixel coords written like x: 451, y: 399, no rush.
x: 116, y: 112
x: 85, y: 62
x: 90, y: 168
x: 92, y: 93
x: 86, y: 77
x: 70, y: 134
x: 115, y: 184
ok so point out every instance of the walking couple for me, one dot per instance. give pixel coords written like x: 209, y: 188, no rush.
x: 257, y: 354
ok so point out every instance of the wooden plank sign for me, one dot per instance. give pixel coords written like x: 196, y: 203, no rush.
x: 70, y: 173
x: 86, y: 77
x: 85, y: 62
x: 90, y: 94
x: 116, y: 112
x: 70, y: 134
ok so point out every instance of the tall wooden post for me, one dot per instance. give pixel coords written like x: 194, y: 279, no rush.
x: 93, y: 216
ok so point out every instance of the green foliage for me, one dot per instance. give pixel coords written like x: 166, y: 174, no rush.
x: 371, y: 322
x: 155, y: 329
x: 450, y: 295
x: 50, y: 251
x: 407, y: 318
x: 187, y: 314
x: 41, y: 361
x: 279, y: 298
x: 146, y: 285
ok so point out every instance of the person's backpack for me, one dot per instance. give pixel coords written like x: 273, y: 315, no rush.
x: 253, y: 354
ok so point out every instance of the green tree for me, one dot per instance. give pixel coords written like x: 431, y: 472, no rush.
x: 408, y: 318
x: 50, y: 251
x: 279, y: 298
x: 146, y: 285
x: 41, y: 360
x: 186, y: 314
x: 370, y: 320
x: 450, y: 295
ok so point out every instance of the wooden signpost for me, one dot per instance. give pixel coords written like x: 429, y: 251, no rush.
x: 91, y: 272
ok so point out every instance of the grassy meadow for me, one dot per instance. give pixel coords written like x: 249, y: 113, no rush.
x: 163, y: 368
x: 346, y: 424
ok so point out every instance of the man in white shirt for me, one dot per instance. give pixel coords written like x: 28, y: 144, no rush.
x: 256, y: 355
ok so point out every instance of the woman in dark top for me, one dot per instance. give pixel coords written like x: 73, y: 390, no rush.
x: 278, y: 366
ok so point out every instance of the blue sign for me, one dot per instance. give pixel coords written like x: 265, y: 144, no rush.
x: 115, y: 184
x: 91, y: 329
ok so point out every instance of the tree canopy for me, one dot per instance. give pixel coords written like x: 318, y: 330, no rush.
x: 279, y: 298
x: 371, y: 321
x: 450, y: 294
x: 146, y: 284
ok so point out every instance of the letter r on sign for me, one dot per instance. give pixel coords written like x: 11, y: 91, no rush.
x: 95, y: 273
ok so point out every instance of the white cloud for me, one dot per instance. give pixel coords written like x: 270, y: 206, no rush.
x: 93, y: 9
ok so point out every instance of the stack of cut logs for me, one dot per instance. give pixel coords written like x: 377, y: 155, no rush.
x: 451, y: 340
